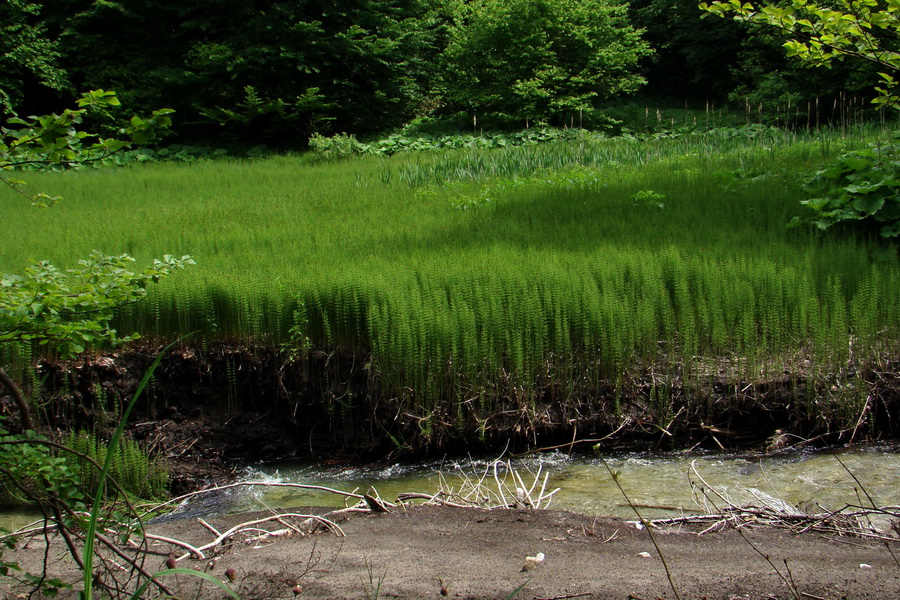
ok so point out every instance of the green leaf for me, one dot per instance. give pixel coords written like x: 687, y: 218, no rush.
x: 869, y: 204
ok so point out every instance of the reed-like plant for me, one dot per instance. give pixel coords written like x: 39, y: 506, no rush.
x: 137, y: 472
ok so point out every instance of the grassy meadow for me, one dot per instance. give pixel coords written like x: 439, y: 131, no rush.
x: 462, y: 275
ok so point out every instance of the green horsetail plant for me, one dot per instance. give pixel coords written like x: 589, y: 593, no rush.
x: 561, y: 278
x: 135, y: 471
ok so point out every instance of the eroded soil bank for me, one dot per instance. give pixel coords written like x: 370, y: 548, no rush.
x: 211, y: 408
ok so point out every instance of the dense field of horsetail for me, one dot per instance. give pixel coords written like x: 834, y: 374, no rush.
x: 481, y: 297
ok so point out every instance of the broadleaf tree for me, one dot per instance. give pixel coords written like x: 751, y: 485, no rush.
x: 824, y: 32
x: 264, y: 72
x: 72, y: 309
x: 29, y: 54
x: 539, y: 59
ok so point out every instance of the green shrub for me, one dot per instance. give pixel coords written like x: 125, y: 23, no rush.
x: 864, y: 186
x: 335, y: 146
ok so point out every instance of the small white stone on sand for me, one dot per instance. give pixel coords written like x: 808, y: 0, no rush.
x: 864, y: 566
x: 644, y: 554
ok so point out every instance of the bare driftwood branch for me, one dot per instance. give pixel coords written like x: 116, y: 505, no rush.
x: 219, y: 488
x: 225, y: 535
x: 850, y: 520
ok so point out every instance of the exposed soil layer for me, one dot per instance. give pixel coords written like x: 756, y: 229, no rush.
x: 211, y: 408
x: 479, y: 554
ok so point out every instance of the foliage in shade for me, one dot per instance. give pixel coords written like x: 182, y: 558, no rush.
x: 863, y: 185
x: 28, y: 54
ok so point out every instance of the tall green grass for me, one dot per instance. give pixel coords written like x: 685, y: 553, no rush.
x: 463, y: 269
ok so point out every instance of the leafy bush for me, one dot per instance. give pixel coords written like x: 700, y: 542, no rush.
x: 862, y: 185
x: 342, y: 145
x: 32, y: 472
x: 336, y: 146
x: 649, y: 198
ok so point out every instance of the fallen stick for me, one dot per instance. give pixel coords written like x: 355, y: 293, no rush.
x: 237, y: 528
x: 218, y: 488
x: 159, y: 538
x: 403, y: 496
x: 208, y: 526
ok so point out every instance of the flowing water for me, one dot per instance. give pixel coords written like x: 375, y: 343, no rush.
x: 657, y: 484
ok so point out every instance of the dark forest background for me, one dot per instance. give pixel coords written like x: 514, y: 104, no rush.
x: 247, y: 72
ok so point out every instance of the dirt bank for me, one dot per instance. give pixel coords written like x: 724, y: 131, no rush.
x: 479, y: 554
x: 210, y: 407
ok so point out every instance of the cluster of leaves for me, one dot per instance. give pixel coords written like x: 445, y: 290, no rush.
x: 71, y: 309
x: 55, y: 140
x: 339, y: 145
x: 342, y: 145
x: 862, y: 185
x: 28, y: 53
x: 649, y: 198
x: 540, y: 59
x: 822, y: 33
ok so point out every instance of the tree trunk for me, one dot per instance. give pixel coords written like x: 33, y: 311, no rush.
x: 16, y: 392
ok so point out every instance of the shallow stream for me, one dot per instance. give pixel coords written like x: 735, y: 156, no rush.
x: 659, y: 485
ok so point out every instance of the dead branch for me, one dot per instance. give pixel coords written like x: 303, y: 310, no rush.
x: 159, y: 538
x: 219, y: 488
x: 430, y: 499
x: 224, y: 536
